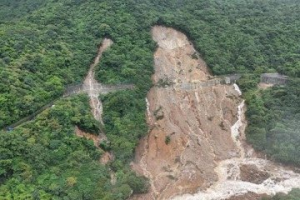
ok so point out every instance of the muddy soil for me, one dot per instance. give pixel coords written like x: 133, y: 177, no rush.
x: 250, y: 173
x: 196, y: 122
x: 90, y: 85
x: 195, y: 148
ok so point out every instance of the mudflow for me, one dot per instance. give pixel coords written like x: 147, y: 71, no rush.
x: 90, y: 85
x: 195, y: 147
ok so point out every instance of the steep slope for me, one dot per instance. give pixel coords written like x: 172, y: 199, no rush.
x: 91, y: 83
x: 196, y: 136
x: 96, y: 105
x: 197, y: 122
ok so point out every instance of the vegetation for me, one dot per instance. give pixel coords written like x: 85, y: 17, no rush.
x: 43, y: 159
x: 164, y: 82
x: 167, y: 139
x: 124, y: 123
x: 293, y: 195
x: 273, y: 117
x: 46, y: 45
x: 53, y: 43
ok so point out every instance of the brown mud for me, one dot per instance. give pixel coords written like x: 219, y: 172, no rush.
x: 195, y: 147
x: 90, y: 84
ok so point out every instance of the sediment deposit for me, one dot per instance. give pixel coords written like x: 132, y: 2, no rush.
x: 195, y: 148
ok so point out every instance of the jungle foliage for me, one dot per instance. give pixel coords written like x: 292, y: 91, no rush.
x: 44, y: 159
x: 274, y: 116
x: 46, y: 45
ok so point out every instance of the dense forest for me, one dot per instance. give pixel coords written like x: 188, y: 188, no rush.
x: 44, y: 159
x: 273, y: 121
x: 46, y: 45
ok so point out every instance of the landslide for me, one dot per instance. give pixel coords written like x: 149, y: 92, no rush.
x: 90, y: 84
x: 189, y: 129
x: 195, y: 148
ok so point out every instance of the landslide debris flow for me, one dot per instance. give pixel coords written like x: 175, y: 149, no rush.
x: 195, y: 148
x: 90, y: 85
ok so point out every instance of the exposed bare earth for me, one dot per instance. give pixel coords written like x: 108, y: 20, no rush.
x: 197, y: 121
x: 88, y: 136
x: 90, y: 84
x: 250, y: 173
x: 264, y: 86
x: 195, y: 147
x: 107, y: 156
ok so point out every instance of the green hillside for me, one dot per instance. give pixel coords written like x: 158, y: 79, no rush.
x: 47, y: 45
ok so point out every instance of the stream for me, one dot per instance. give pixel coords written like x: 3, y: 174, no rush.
x: 229, y: 184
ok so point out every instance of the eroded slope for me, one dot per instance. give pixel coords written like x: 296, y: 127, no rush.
x: 195, y: 147
x: 90, y: 84
x: 196, y: 122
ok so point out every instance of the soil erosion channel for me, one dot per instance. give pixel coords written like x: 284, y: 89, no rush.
x: 195, y: 147
x: 90, y: 84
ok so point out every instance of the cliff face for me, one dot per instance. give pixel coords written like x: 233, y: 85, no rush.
x: 189, y: 129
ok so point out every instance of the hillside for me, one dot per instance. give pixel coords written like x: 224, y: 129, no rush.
x: 47, y: 45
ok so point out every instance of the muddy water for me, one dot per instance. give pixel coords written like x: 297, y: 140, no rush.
x: 229, y: 182
x: 196, y: 121
x: 205, y: 125
x: 90, y: 84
